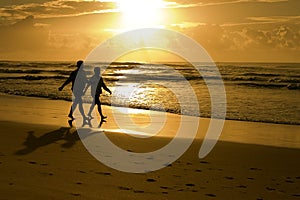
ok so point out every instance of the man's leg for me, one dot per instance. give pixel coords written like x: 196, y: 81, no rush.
x: 100, y: 110
x: 97, y: 101
x: 80, y: 104
x: 91, y: 108
x: 73, y: 107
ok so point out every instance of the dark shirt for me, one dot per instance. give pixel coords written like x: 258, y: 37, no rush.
x: 78, y: 85
x: 97, y: 84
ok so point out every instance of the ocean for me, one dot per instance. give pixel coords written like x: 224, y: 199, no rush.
x: 260, y: 92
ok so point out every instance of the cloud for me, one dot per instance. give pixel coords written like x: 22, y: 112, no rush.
x: 57, y: 8
x: 271, y: 1
x: 201, y: 3
x: 228, y: 29
x: 35, y: 39
x: 22, y: 36
x: 278, y: 41
x: 267, y: 20
x: 282, y: 37
x: 232, y: 12
x: 187, y: 25
x: 173, y: 4
x: 275, y: 19
x: 20, y: 2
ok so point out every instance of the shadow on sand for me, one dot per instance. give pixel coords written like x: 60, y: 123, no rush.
x: 69, y: 135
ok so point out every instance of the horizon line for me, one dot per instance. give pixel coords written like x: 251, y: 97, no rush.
x: 155, y: 62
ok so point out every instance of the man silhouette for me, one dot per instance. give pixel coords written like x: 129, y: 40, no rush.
x: 96, y: 82
x: 77, y: 89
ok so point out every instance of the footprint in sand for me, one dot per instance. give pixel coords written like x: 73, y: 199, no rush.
x: 83, y: 172
x: 103, y: 173
x: 124, y: 188
x: 75, y: 194
x: 270, y: 189
x: 79, y: 183
x: 204, y: 162
x: 138, y: 191
x: 151, y: 180
x: 164, y: 192
x: 32, y: 162
x: 46, y: 173
x: 190, y: 184
x: 210, y: 195
x: 198, y: 170
x: 177, y: 176
x: 44, y: 164
x: 241, y: 186
x: 255, y: 168
x: 164, y: 187
x: 289, y: 181
x: 229, y: 177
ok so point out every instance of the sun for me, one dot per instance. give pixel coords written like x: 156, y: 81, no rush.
x: 141, y: 13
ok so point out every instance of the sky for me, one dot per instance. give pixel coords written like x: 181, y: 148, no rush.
x: 229, y: 30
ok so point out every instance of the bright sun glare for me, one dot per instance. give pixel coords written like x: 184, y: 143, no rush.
x: 140, y: 13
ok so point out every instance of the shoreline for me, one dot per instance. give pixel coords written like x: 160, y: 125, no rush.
x: 106, y: 104
x: 284, y: 135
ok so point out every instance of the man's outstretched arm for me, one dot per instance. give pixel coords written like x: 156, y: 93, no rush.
x: 69, y: 80
x: 104, y: 86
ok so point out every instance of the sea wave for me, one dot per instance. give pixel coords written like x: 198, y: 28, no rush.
x: 32, y: 78
x: 255, y: 92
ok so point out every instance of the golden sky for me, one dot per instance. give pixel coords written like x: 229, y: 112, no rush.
x: 230, y: 30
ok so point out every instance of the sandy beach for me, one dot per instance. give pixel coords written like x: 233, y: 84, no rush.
x: 42, y: 158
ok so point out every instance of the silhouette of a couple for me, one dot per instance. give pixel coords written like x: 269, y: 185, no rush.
x: 80, y: 87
